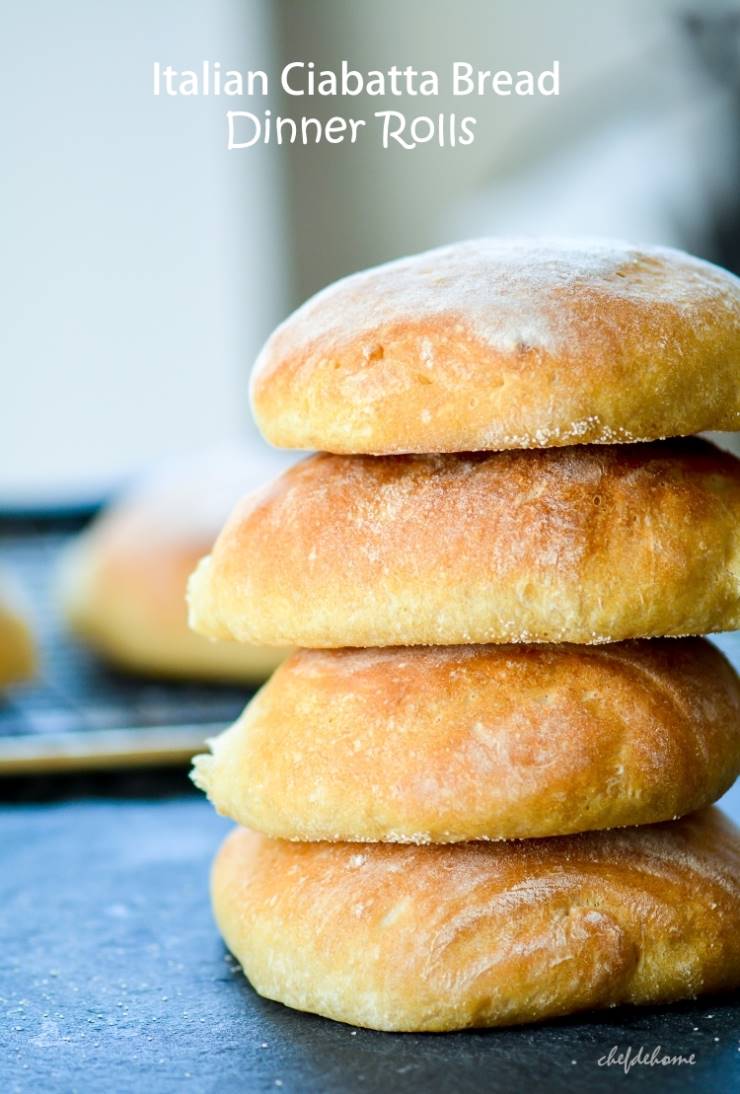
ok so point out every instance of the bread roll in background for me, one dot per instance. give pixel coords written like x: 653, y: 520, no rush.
x: 495, y: 344
x: 479, y: 742
x: 483, y: 934
x: 17, y: 645
x: 122, y: 583
x: 583, y: 544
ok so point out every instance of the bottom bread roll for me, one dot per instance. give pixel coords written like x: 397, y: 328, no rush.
x: 435, y: 938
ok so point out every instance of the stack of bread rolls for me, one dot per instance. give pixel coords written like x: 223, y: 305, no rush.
x: 479, y: 791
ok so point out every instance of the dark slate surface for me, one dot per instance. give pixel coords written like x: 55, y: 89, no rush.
x: 112, y: 978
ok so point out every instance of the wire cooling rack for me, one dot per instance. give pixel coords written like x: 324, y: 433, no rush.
x: 75, y: 693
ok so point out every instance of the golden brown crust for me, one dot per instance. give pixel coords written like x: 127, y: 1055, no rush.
x: 498, y: 344
x: 582, y: 544
x: 479, y: 742
x: 439, y: 938
x: 122, y: 583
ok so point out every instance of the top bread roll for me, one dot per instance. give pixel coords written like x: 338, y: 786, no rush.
x: 498, y: 344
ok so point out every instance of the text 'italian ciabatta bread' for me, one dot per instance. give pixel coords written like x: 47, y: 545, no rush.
x: 583, y: 544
